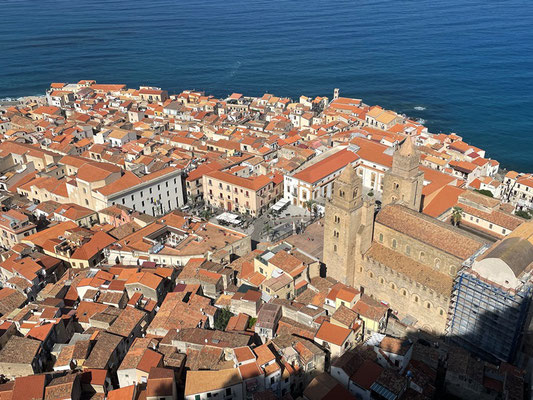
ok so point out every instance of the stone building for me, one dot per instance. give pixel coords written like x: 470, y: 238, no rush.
x: 399, y: 256
x: 403, y: 183
x: 348, y: 226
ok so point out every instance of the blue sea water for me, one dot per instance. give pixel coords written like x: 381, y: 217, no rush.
x: 469, y: 63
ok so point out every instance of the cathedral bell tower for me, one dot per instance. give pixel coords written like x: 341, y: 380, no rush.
x: 403, y: 183
x: 348, y: 227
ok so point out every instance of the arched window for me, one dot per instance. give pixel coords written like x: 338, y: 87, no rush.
x: 335, y: 248
x: 393, y: 286
x: 422, y: 256
x: 381, y: 280
x: 441, y: 312
x: 415, y: 298
x: 396, y: 185
x: 370, y: 274
x: 407, y: 249
x: 453, y: 270
x: 394, y: 243
x: 404, y: 292
x: 428, y: 305
x: 437, y: 263
x: 341, y: 193
x: 381, y: 237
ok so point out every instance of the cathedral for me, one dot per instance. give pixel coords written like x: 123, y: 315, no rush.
x: 396, y: 254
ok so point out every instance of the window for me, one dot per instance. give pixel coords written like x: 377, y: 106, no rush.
x: 393, y: 286
x: 381, y: 237
x: 415, y: 299
x: 337, y: 219
x: 396, y: 186
x: 335, y: 248
x: 441, y: 312
x: 437, y: 263
x: 404, y: 292
x: 381, y: 280
x: 428, y: 305
x: 407, y: 249
x: 453, y: 270
x: 394, y: 243
x: 422, y: 256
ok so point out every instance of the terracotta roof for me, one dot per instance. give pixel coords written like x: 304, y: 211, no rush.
x: 128, y: 180
x: 367, y: 374
x: 19, y: 350
x: 432, y: 232
x: 208, y: 381
x: 427, y: 276
x: 332, y: 333
x: 29, y: 387
x: 250, y: 370
x: 253, y: 183
x: 327, y: 166
x: 125, y: 393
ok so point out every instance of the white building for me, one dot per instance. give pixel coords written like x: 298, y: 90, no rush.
x: 316, y: 181
x: 154, y: 194
x: 116, y: 137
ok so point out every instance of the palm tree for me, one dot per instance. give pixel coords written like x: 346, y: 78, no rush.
x: 309, y: 205
x: 457, y: 215
x: 268, y: 229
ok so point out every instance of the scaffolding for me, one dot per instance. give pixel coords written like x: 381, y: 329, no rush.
x: 486, y: 319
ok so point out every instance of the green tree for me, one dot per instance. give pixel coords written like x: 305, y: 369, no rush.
x: 206, y: 214
x: 523, y: 214
x: 484, y: 192
x: 251, y: 323
x: 222, y: 319
x: 268, y: 230
x: 457, y: 215
x: 310, y: 205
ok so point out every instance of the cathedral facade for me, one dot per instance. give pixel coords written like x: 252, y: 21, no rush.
x: 396, y: 255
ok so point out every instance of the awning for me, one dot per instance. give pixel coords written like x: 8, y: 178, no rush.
x: 228, y: 217
x: 280, y: 204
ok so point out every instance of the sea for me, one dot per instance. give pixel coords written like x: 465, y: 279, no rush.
x: 463, y: 66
